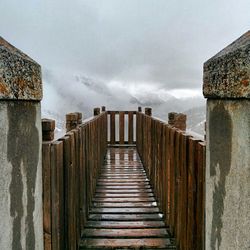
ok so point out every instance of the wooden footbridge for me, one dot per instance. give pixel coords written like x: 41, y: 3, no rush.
x: 122, y: 180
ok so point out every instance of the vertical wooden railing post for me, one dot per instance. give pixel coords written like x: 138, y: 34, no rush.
x: 103, y: 108
x: 139, y: 109
x: 148, y: 111
x: 96, y: 111
x: 177, y: 120
x: 226, y: 85
x: 71, y: 121
x: 48, y: 127
x: 21, y: 192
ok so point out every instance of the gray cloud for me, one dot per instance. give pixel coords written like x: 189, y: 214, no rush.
x: 164, y: 42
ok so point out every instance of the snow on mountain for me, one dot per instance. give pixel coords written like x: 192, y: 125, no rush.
x: 66, y: 92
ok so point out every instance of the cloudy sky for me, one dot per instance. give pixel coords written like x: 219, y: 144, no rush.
x: 134, y: 43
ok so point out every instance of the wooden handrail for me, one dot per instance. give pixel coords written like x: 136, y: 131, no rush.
x: 70, y: 168
x: 175, y: 164
x: 121, y: 128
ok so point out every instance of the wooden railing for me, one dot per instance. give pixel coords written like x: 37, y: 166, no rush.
x: 70, y: 168
x: 175, y: 164
x: 121, y: 125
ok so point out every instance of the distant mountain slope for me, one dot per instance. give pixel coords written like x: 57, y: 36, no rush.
x: 64, y: 93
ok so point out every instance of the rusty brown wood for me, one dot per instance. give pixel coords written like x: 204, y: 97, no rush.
x: 124, y: 207
x: 112, y: 128
x: 130, y: 127
x: 57, y: 204
x: 121, y: 127
x: 46, y: 195
x: 175, y: 164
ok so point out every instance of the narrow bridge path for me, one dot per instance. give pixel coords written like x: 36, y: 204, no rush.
x: 124, y: 213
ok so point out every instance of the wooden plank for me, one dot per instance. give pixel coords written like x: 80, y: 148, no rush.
x: 120, y: 243
x: 125, y: 217
x: 125, y: 224
x: 125, y: 210
x: 56, y: 195
x: 130, y: 127
x: 124, y: 191
x: 200, y: 210
x: 127, y: 199
x: 121, y: 127
x: 126, y: 233
x: 121, y: 195
x: 46, y: 195
x: 127, y: 204
x: 112, y: 128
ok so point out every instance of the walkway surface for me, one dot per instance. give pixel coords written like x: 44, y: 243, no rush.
x: 124, y: 214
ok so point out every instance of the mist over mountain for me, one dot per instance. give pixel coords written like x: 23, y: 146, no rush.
x: 82, y: 93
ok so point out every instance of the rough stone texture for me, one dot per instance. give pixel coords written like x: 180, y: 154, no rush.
x: 20, y: 76
x: 21, y: 175
x: 228, y: 175
x: 227, y: 74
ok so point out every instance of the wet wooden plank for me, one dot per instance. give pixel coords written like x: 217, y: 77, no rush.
x: 119, y: 187
x: 124, y: 180
x: 125, y: 217
x: 123, y: 199
x: 123, y: 191
x: 125, y: 224
x: 124, y: 243
x: 121, y: 195
x: 122, y: 204
x: 126, y: 233
x: 125, y: 210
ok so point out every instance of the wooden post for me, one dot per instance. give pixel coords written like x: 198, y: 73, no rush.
x: 139, y: 109
x: 79, y: 117
x: 48, y: 127
x: 177, y: 120
x: 103, y: 108
x: 71, y: 121
x: 96, y: 111
x: 148, y: 111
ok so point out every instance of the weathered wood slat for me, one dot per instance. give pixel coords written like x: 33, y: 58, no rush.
x: 130, y: 127
x: 174, y: 163
x: 125, y: 224
x: 112, y: 128
x: 125, y: 210
x: 127, y: 204
x: 121, y: 127
x: 126, y: 233
x: 47, y: 196
x: 124, y: 243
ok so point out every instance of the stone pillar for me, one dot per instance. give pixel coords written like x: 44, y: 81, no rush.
x: 20, y: 150
x: 96, y: 111
x: 177, y: 120
x: 148, y: 111
x: 227, y: 89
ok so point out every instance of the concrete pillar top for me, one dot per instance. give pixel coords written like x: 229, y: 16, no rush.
x: 20, y: 76
x: 227, y: 74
